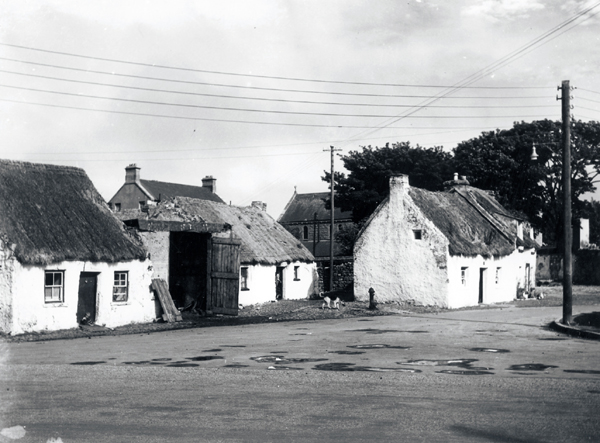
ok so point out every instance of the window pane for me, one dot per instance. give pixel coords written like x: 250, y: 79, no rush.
x: 49, y: 279
x: 57, y: 279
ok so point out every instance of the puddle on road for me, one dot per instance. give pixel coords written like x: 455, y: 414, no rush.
x: 582, y: 371
x: 531, y: 367
x: 466, y: 372
x: 346, y: 352
x: 233, y: 346
x: 280, y: 359
x: 161, y: 359
x: 278, y: 352
x: 553, y: 338
x: 385, y: 331
x: 88, y: 363
x: 365, y: 319
x: 378, y: 346
x: 491, y: 330
x: 144, y: 362
x: 498, y: 351
x: 205, y: 358
x: 302, y: 333
x: 283, y: 368
x: 235, y: 365
x: 213, y: 350
x: 182, y: 365
x: 351, y: 367
x: 460, y: 362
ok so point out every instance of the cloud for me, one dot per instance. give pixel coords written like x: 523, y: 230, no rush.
x: 497, y: 10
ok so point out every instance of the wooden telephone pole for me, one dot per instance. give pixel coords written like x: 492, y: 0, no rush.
x: 567, y: 230
x: 331, y: 228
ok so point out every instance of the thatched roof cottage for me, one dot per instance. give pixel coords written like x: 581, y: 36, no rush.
x: 454, y: 248
x: 272, y: 263
x: 64, y: 257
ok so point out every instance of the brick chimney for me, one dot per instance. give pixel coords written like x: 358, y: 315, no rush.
x: 132, y: 174
x: 210, y: 183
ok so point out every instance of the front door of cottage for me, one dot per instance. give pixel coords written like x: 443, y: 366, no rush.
x: 86, y: 303
x: 224, y: 276
x: 482, y: 284
x: 279, y: 283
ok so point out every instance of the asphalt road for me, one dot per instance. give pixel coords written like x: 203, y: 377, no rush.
x: 482, y: 376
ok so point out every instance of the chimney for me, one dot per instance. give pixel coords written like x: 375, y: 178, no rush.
x: 210, y: 183
x: 259, y: 205
x: 456, y: 182
x: 132, y: 174
x: 398, y: 187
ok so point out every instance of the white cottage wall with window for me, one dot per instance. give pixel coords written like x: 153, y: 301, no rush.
x: 259, y: 285
x: 27, y: 310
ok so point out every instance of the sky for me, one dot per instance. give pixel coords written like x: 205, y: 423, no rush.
x: 255, y: 92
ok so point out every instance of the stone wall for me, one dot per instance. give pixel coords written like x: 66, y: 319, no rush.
x: 343, y: 275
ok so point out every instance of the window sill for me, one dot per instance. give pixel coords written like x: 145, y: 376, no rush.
x: 245, y: 289
x: 120, y: 303
x: 55, y: 305
x: 296, y: 279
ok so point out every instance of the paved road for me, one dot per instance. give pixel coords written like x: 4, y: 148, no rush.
x: 483, y: 375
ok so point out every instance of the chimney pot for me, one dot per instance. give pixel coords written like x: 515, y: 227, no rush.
x: 210, y: 183
x: 132, y: 174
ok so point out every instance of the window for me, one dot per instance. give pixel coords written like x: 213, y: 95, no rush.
x: 498, y: 271
x: 244, y: 279
x: 305, y: 233
x: 54, y: 287
x: 463, y: 276
x: 296, y: 269
x: 142, y: 203
x: 117, y: 207
x: 121, y: 286
x: 418, y: 234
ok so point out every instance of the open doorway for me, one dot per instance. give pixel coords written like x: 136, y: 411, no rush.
x: 482, y: 284
x: 86, y: 302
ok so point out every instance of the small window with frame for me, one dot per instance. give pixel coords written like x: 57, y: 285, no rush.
x: 418, y: 234
x: 244, y: 279
x: 54, y: 287
x: 464, y: 275
x: 117, y: 207
x: 296, y: 273
x: 305, y: 233
x: 121, y: 286
x: 498, y: 274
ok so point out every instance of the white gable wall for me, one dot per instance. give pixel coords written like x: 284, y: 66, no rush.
x: 30, y: 313
x: 389, y: 259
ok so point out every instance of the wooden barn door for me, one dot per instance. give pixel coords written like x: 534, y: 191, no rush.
x: 224, y: 276
x: 86, y: 303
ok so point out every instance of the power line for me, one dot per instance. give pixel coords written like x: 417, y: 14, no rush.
x: 170, y: 91
x: 272, y: 77
x: 588, y: 90
x: 588, y: 100
x: 302, y: 91
x: 262, y: 111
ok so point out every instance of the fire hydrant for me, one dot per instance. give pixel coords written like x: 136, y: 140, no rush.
x: 372, y: 302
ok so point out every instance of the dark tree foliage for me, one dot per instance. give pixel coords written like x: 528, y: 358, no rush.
x: 501, y: 161
x: 594, y: 216
x: 367, y: 182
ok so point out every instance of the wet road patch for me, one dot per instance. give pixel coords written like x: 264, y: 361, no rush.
x: 88, y: 363
x: 553, y: 338
x: 465, y: 372
x: 280, y: 359
x: 582, y: 371
x: 460, y: 362
x: 233, y: 346
x: 283, y: 368
x: 378, y: 346
x: 346, y: 352
x: 531, y: 367
x: 493, y: 350
x: 182, y: 365
x: 205, y: 358
x: 235, y: 365
x: 143, y: 362
x: 161, y: 359
x: 351, y: 367
x: 213, y: 350
x: 385, y: 331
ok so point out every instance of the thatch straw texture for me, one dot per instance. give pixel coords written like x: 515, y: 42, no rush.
x: 469, y: 228
x: 54, y: 213
x: 264, y: 241
x: 303, y: 207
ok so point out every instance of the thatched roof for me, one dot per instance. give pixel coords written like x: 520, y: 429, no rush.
x: 264, y: 240
x: 54, y: 213
x: 164, y: 190
x: 303, y: 207
x: 469, y: 219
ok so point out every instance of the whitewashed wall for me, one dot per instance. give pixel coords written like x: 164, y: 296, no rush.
x: 389, y: 259
x: 30, y: 312
x: 261, y: 283
x: 504, y: 289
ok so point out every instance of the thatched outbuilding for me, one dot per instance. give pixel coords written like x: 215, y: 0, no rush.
x: 273, y: 264
x: 64, y: 257
x: 454, y: 248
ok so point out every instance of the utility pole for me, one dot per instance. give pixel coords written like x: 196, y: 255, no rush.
x: 568, y: 233
x: 331, y: 230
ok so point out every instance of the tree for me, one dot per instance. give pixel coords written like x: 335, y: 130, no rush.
x: 369, y: 170
x: 501, y: 161
x: 594, y: 216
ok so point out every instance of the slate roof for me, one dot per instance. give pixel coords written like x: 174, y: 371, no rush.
x: 302, y: 208
x: 165, y: 190
x: 54, y: 213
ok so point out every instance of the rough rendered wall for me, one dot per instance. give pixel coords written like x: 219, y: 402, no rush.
x: 302, y: 287
x: 388, y: 258
x: 7, y: 270
x: 31, y: 313
x: 157, y: 244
